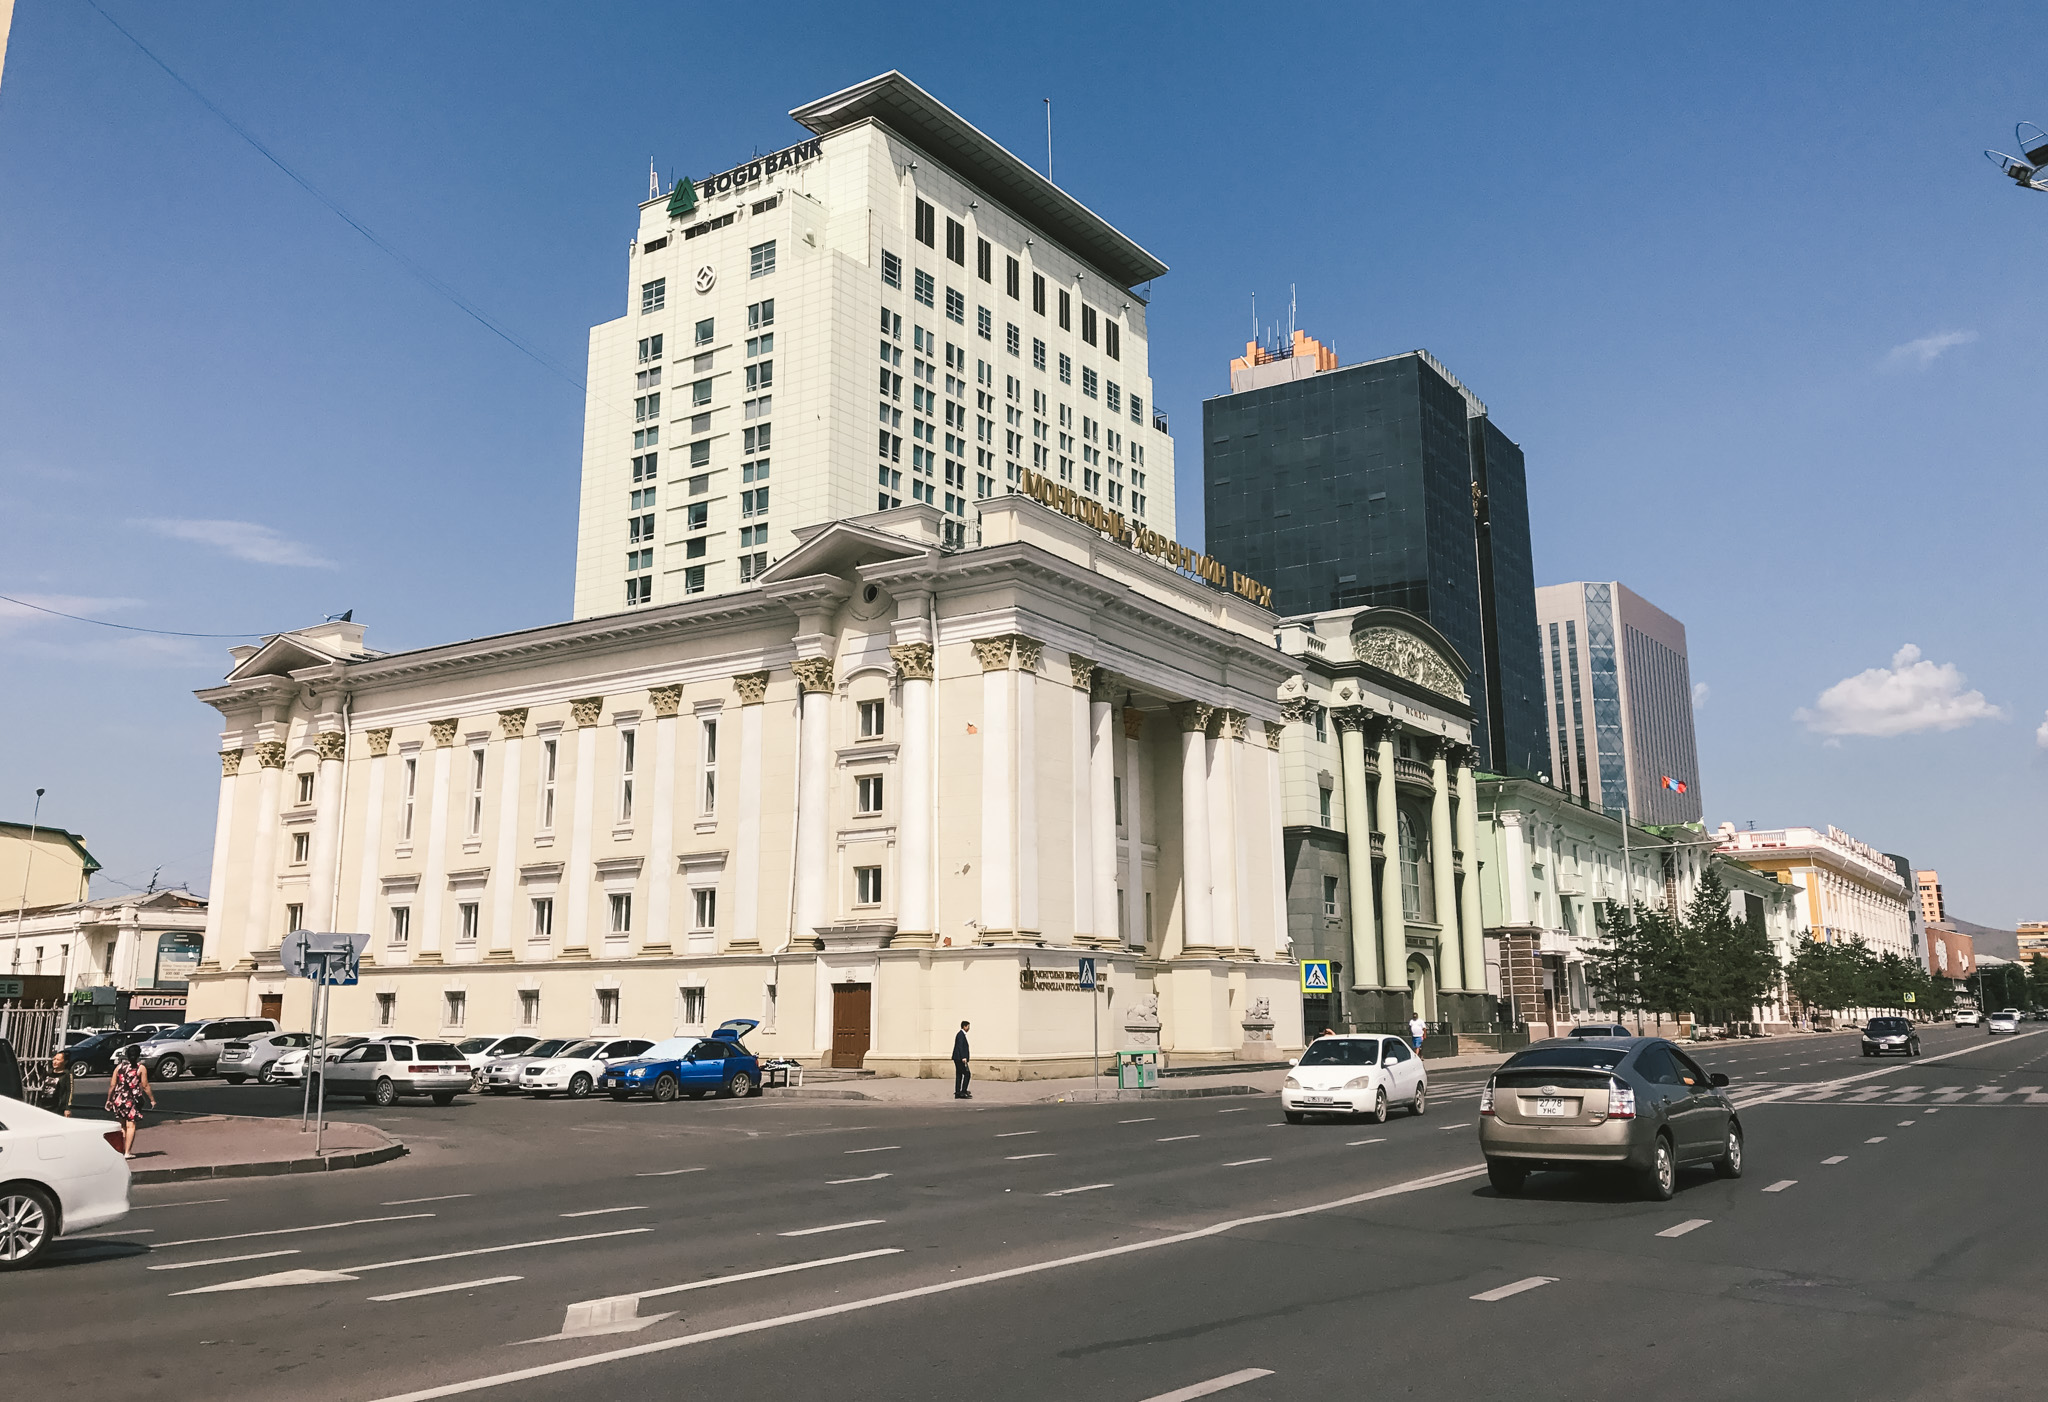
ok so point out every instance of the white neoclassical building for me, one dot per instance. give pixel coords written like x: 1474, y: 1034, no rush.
x: 897, y: 786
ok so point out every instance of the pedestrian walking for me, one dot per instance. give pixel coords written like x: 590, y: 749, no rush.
x: 125, y: 1095
x: 961, y: 1075
x: 1417, y: 1030
x: 62, y: 1077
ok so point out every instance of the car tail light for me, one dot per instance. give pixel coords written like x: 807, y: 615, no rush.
x: 1621, y: 1102
x: 114, y: 1142
x: 1486, y: 1099
x: 420, y: 1070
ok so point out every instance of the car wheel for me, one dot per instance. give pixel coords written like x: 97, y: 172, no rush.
x: 665, y: 1089
x: 476, y: 1083
x: 1295, y: 1117
x: 579, y: 1085
x: 1660, y: 1179
x: 28, y: 1222
x: 268, y: 1075
x: 1379, y: 1106
x: 1421, y: 1105
x: 444, y: 1097
x: 385, y: 1093
x: 234, y: 1080
x: 1729, y: 1165
x: 170, y: 1068
x: 1505, y: 1177
x: 739, y: 1084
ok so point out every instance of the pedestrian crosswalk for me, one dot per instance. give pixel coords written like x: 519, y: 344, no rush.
x: 1918, y: 1095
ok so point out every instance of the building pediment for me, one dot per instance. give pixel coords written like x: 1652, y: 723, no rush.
x: 1399, y: 643
x: 844, y: 547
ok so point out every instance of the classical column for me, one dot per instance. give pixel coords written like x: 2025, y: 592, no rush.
x: 121, y: 958
x: 263, y: 851
x: 746, y: 867
x: 1450, y: 952
x: 1026, y: 741
x: 1365, y: 948
x: 1198, y: 923
x: 914, y: 921
x: 998, y: 801
x: 323, y: 886
x: 216, y: 953
x: 1471, y: 919
x: 1223, y: 849
x: 1393, y: 919
x: 1514, y: 855
x: 1101, y: 855
x: 379, y: 742
x: 1134, y: 827
x: 433, y: 896
x: 814, y: 797
x: 665, y: 701
x: 504, y: 888
x: 576, y: 879
x: 1081, y: 796
x: 1281, y: 942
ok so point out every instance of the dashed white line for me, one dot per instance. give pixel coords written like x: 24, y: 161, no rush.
x: 1876, y: 1139
x: 1214, y: 1385
x: 159, y: 1206
x: 1354, y: 1143
x: 602, y: 1211
x: 1013, y: 1158
x: 878, y: 1149
x: 772, y: 1270
x: 1683, y: 1227
x: 668, y: 1172
x: 1781, y: 1185
x: 1467, y: 1124
x: 1240, y: 1163
x: 1503, y: 1291
x: 288, y: 1231
x: 1145, y: 1121
x: 445, y: 1289
x: 836, y: 1227
x: 1176, y: 1138
x: 1016, y: 1133
x: 1838, y: 1158
x: 1234, y: 1110
x: 1904, y: 1123
x: 412, y: 1202
x: 222, y: 1260
x: 835, y: 1182
x: 1084, y: 1188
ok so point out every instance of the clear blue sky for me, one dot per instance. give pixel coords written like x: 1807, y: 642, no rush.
x: 1767, y: 325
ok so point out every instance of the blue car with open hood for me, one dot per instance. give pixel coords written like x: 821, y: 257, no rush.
x: 692, y: 1066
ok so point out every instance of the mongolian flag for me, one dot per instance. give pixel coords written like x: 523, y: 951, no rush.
x: 1675, y: 785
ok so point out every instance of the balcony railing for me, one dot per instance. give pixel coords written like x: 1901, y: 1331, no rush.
x: 1412, y: 771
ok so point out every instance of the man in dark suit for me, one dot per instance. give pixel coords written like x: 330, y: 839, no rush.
x: 961, y: 1075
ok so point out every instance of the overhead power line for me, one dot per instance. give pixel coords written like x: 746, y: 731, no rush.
x: 128, y: 627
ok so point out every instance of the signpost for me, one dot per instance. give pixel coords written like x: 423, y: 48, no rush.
x: 1087, y: 982
x: 329, y: 959
x: 1315, y: 976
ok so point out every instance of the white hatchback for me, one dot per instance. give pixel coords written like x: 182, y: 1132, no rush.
x: 1354, y: 1075
x: 575, y: 1072
x: 62, y: 1177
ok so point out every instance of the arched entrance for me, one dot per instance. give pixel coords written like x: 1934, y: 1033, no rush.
x: 1422, y: 987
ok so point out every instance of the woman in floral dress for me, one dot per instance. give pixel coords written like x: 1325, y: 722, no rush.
x: 130, y: 1087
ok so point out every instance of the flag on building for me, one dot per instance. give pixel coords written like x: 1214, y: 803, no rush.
x: 1675, y: 785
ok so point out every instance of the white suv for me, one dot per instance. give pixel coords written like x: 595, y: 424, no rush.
x: 1968, y: 1017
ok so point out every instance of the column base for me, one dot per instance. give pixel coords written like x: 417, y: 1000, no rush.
x: 1030, y: 937
x: 743, y: 947
x: 660, y: 949
x: 914, y: 939
x: 428, y: 956
x: 1203, y: 951
x: 574, y: 951
x: 498, y: 956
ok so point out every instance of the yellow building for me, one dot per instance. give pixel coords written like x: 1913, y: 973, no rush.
x: 2033, y: 938
x: 39, y: 866
x: 1848, y: 889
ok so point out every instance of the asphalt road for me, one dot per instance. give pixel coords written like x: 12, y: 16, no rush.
x: 1883, y: 1243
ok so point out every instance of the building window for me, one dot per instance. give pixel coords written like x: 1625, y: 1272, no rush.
x: 693, y: 580
x: 644, y: 468
x: 1411, y: 866
x: 956, y: 306
x: 926, y: 226
x: 705, y: 330
x: 1322, y: 725
x: 1090, y: 382
x: 984, y: 260
x: 1066, y: 369
x: 529, y: 1007
x: 1323, y: 805
x: 650, y: 348
x: 707, y: 789
x: 693, y: 1007
x: 871, y: 719
x: 1137, y: 410
x: 302, y: 848
x: 472, y: 916
x: 607, y: 1007
x: 306, y: 788
x: 1011, y: 271
x: 704, y: 908
x: 1066, y: 310
x: 956, y: 241
x: 1087, y: 323
x: 640, y: 590
x: 401, y: 926
x: 543, y: 917
x: 653, y: 295
x: 1037, y: 354
x: 760, y: 375
x: 294, y: 918
x: 628, y: 743
x: 1038, y: 293
x: 761, y: 259
x: 754, y: 503
x: 1112, y: 340
x: 409, y: 791
x: 454, y: 1008
x: 892, y: 270
x: 985, y: 323
x: 868, y: 793
x: 387, y: 1009
x: 923, y: 287
x: 1329, y: 892
x: 1013, y: 338
x: 621, y: 903
x: 550, y: 752
x: 867, y: 885
x: 476, y: 791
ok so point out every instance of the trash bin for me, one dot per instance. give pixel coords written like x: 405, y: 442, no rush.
x: 1137, y: 1070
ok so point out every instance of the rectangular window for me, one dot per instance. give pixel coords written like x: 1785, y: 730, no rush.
x: 471, y: 915
x: 760, y: 345
x: 956, y: 306
x: 1011, y: 270
x: 760, y: 375
x: 693, y: 580
x: 868, y: 793
x: 607, y: 1007
x: 1066, y: 310
x: 697, y: 548
x: 294, y: 918
x: 985, y: 323
x: 653, y: 295
x: 700, y: 393
x: 956, y: 241
x: 650, y: 348
x: 639, y: 528
x: 454, y: 1008
x: 984, y: 260
x: 1088, y: 323
x: 1013, y: 338
x: 1322, y: 725
x: 867, y: 885
x: 401, y: 926
x: 1112, y: 340
x: 1112, y: 400
x: 1037, y: 354
x: 1330, y: 893
x: 704, y: 331
x: 871, y: 719
x: 1323, y: 806
x: 306, y: 788
x: 761, y: 259
x: 1089, y: 382
x: 704, y: 911
x: 644, y: 467
x: 387, y: 1009
x: 707, y: 754
x: 639, y: 590
x: 302, y: 848
x: 753, y: 503
x: 529, y: 1007
x: 476, y: 790
x: 621, y: 905
x: 761, y: 314
x: 642, y: 499
x: 628, y: 743
x: 1066, y: 369
x: 926, y: 227
x: 543, y: 917
x: 693, y: 1007
x: 550, y: 752
x: 1038, y: 293
x: 892, y: 270
x: 756, y: 440
x: 409, y: 792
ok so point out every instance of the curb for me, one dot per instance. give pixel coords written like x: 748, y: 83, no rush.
x: 807, y: 1093
x: 265, y: 1170
x: 1159, y: 1093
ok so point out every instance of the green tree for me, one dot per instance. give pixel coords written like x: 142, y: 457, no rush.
x: 1725, y: 966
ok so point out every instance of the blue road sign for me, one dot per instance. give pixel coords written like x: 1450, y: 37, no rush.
x: 1087, y: 975
x: 1315, y: 976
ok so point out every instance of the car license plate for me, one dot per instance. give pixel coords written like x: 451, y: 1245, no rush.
x: 1550, y: 1105
x: 1315, y: 1100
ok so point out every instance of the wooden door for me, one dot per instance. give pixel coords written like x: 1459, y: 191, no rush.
x: 851, y: 1003
x: 272, y: 1007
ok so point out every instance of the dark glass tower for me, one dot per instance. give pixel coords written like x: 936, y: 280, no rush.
x: 1385, y: 484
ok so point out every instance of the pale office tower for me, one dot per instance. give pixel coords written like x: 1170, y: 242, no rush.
x: 893, y: 311
x: 1932, y: 908
x: 1619, y: 693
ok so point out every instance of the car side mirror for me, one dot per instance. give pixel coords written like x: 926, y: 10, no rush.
x: 1294, y: 1061
x: 1719, y: 1078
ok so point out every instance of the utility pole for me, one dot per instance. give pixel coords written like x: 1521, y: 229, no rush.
x: 21, y: 910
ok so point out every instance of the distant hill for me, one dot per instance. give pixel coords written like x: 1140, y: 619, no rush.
x: 2003, y: 944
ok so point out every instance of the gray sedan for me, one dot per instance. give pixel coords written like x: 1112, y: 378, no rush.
x: 501, y: 1075
x: 1638, y: 1104
x: 257, y: 1056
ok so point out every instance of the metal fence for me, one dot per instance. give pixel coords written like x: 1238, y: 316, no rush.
x: 35, y: 1031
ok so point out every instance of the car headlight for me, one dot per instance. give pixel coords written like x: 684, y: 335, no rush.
x: 637, y: 1072
x: 1358, y: 1082
x: 1291, y: 1084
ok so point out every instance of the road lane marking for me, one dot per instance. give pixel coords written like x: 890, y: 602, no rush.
x: 835, y: 1182
x: 222, y: 1260
x: 1354, y: 1143
x: 1808, y: 1088
x: 1876, y: 1139
x: 1683, y: 1227
x: 1235, y: 1110
x: 754, y: 1326
x: 1240, y: 1163
x: 668, y: 1172
x: 288, y: 1231
x: 1932, y: 1110
x: 601, y: 1211
x: 1012, y: 1158
x: 878, y: 1149
x: 410, y: 1202
x: 1904, y: 1123
x: 1084, y: 1188
x: 1465, y: 1125
x: 132, y: 1231
x: 445, y: 1289
x: 1781, y: 1185
x: 1176, y: 1138
x: 764, y: 1274
x: 1501, y: 1292
x: 159, y: 1206
x: 1838, y: 1158
x: 306, y: 1277
x: 1145, y: 1121
x: 1016, y: 1134
x: 836, y: 1227
x: 1214, y: 1385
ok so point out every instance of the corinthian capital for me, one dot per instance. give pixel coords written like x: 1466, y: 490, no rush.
x: 913, y: 661
x: 813, y: 674
x: 1082, y: 671
x: 665, y: 700
x: 992, y: 653
x: 329, y: 744
x: 380, y: 740
x: 270, y: 754
x: 512, y: 723
x: 444, y: 731
x: 753, y: 687
x: 1273, y: 734
x: 1351, y: 718
x: 1028, y: 652
x: 230, y: 763
x: 1193, y: 717
x: 586, y: 711
x: 1298, y: 709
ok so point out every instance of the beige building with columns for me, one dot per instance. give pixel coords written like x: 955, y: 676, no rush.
x: 897, y: 786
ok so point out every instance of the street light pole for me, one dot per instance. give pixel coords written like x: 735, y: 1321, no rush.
x: 21, y: 910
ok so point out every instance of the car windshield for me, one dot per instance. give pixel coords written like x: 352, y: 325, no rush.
x: 1889, y: 1024
x: 1590, y: 1058
x: 179, y: 1034
x: 551, y: 1047
x: 1343, y: 1051
x: 673, y: 1049
x: 436, y: 1051
x: 476, y: 1044
x: 1600, y: 1029
x: 582, y: 1049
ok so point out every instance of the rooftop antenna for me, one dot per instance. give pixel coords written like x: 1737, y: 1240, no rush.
x: 1048, y: 138
x: 653, y: 181
x: 1290, y: 313
x: 1255, y: 318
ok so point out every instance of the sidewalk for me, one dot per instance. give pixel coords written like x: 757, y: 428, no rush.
x: 238, y: 1146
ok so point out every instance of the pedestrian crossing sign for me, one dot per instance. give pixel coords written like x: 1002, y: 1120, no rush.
x: 1315, y: 976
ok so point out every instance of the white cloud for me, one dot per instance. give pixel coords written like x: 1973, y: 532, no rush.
x: 2041, y: 735
x: 1920, y: 354
x: 1911, y: 695
x: 245, y: 540
x: 1700, y: 692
